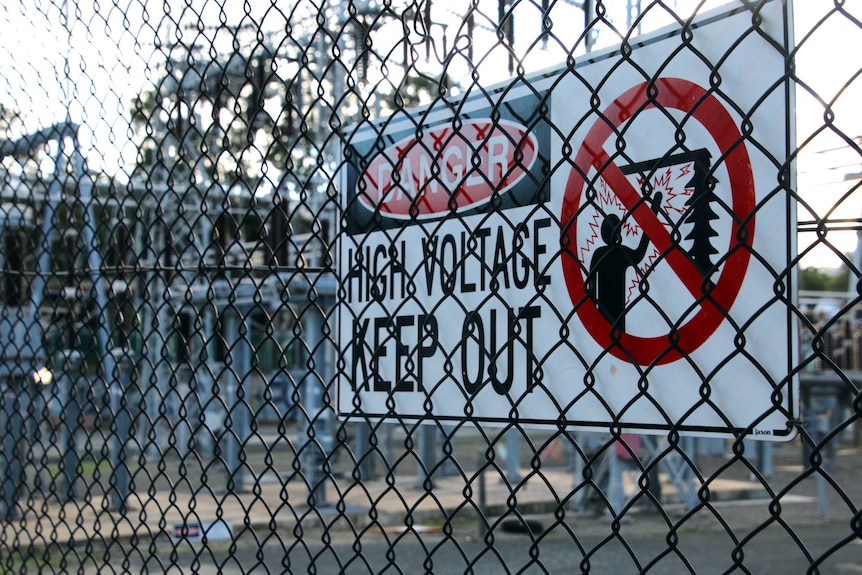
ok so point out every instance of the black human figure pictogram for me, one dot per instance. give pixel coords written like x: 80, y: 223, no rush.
x: 606, y: 283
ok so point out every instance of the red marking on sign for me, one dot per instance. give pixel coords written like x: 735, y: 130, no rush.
x: 439, y: 138
x: 481, y: 130
x: 684, y: 171
x: 446, y: 170
x: 190, y: 530
x: 699, y: 105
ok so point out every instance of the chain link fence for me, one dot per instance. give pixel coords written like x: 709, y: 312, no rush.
x: 281, y: 287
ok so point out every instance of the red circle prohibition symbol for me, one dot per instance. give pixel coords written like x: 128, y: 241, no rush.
x: 705, y: 108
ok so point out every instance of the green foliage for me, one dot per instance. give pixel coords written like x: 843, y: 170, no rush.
x: 818, y: 279
x: 10, y: 121
x: 415, y: 91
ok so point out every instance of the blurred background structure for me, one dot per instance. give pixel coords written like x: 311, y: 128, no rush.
x: 169, y: 208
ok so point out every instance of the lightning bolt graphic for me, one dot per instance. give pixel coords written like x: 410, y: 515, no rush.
x: 606, y: 197
x: 630, y: 228
x: 643, y: 269
x: 590, y: 241
x: 668, y: 205
x: 662, y: 181
x: 685, y: 169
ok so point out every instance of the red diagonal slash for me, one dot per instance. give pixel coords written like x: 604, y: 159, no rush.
x: 699, y: 106
x: 634, y: 203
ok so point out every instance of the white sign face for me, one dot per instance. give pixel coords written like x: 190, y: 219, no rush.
x: 601, y: 245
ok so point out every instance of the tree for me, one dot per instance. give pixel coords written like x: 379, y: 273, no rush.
x: 818, y: 279
x: 701, y: 214
x: 248, y: 136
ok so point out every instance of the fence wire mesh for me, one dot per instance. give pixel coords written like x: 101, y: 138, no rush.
x: 173, y: 179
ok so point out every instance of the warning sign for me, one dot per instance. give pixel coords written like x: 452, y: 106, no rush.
x: 604, y: 244
x: 670, y: 194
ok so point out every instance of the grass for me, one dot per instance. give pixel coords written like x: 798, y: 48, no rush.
x: 86, y: 468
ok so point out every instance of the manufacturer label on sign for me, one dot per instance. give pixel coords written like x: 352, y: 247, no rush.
x: 589, y: 247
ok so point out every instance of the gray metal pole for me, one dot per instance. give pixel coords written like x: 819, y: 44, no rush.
x: 52, y: 199
x: 234, y: 479
x: 206, y: 385
x: 154, y: 377
x: 765, y: 458
x: 513, y: 455
x: 589, y: 7
x: 182, y: 427
x: 69, y: 421
x: 365, y: 466
x: 689, y: 445
x: 120, y: 412
x: 424, y: 475
x: 318, y: 430
x: 483, y: 496
x: 449, y: 468
x: 616, y: 493
x: 94, y: 260
x: 388, y: 440
x: 10, y: 426
x: 579, y: 501
x: 242, y: 407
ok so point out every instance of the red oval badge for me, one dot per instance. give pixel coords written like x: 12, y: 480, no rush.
x: 447, y: 170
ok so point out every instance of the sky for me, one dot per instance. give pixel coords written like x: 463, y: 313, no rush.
x: 89, y: 59
x: 828, y: 62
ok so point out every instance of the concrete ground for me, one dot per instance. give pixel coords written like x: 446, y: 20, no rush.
x: 794, y: 521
